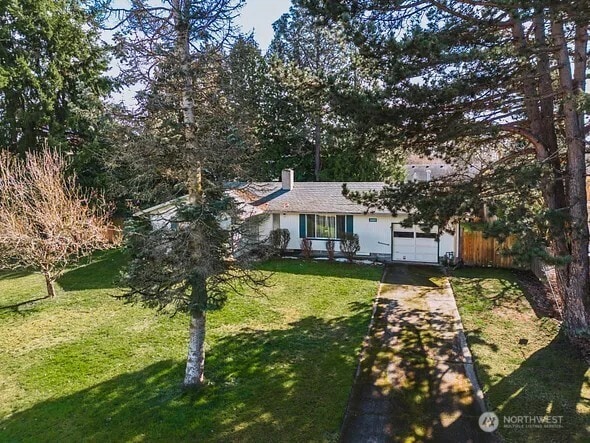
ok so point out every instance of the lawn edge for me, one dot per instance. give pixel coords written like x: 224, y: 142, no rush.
x: 468, y: 359
x: 363, y: 353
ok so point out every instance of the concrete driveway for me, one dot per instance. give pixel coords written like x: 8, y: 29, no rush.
x: 413, y: 384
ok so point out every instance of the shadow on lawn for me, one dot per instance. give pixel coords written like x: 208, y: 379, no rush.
x: 540, y: 386
x: 547, y: 382
x: 412, y: 275
x: 11, y: 275
x: 322, y: 268
x: 275, y: 385
x: 101, y: 271
x: 508, y: 293
x: 97, y: 272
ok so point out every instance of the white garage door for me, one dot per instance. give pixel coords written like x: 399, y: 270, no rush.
x: 412, y: 244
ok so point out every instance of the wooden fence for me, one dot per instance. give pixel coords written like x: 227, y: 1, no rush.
x: 479, y: 251
x: 114, y: 232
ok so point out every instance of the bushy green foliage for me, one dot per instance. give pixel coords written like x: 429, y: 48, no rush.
x: 299, y: 127
x: 52, y: 76
x: 194, y: 266
x: 473, y: 107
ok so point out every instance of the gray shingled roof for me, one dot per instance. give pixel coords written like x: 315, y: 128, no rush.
x: 316, y: 197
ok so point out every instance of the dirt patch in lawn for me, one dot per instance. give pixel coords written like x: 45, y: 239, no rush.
x: 539, y: 295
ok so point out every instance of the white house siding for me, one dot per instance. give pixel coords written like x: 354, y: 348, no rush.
x: 447, y: 244
x: 165, y: 220
x: 160, y: 221
x: 375, y: 237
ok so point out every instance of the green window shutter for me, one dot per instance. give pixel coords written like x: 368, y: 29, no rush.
x: 349, y: 224
x: 302, y: 229
x: 340, y: 225
x: 311, y: 219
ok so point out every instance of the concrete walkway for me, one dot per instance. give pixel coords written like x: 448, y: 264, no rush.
x: 413, y: 384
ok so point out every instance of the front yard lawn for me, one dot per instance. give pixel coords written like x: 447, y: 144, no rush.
x: 525, y: 365
x: 86, y: 366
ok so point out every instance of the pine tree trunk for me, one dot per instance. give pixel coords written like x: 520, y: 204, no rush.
x: 566, y: 239
x: 577, y: 304
x: 182, y: 17
x: 49, y: 285
x: 195, y: 362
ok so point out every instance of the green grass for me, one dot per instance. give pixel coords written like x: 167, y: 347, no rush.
x: 87, y: 367
x: 543, y: 377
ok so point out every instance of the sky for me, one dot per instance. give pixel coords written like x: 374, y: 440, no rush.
x: 257, y: 16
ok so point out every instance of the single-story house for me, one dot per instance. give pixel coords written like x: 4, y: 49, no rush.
x: 318, y: 211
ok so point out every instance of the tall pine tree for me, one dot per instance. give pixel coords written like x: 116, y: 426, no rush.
x: 459, y: 75
x: 306, y: 61
x: 184, y: 135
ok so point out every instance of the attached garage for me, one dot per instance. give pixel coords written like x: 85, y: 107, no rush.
x: 413, y: 244
x: 320, y: 212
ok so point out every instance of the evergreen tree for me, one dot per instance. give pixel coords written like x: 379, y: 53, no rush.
x: 184, y: 137
x: 52, y: 76
x: 307, y: 60
x: 456, y: 76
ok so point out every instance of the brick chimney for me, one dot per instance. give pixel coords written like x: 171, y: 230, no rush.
x: 287, y: 179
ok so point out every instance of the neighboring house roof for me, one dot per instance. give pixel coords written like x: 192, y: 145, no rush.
x: 428, y: 172
x: 162, y: 208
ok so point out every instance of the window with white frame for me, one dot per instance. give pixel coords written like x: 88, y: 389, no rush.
x: 324, y: 226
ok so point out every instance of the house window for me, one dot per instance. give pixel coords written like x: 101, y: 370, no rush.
x: 426, y: 235
x: 324, y: 226
x: 310, y: 225
x: 340, y: 225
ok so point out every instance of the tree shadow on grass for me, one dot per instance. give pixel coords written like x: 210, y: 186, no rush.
x: 506, y: 290
x: 97, y: 272
x: 322, y: 268
x: 16, y: 307
x: 10, y: 275
x: 412, y: 275
x: 264, y: 385
x: 547, y: 383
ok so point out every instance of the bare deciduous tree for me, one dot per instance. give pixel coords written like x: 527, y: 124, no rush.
x: 46, y: 221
